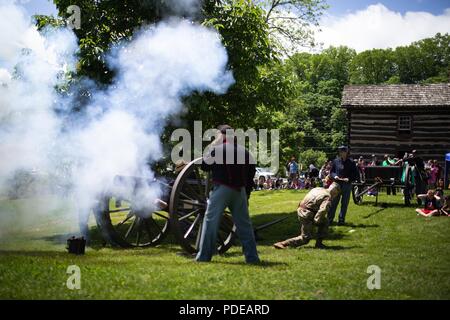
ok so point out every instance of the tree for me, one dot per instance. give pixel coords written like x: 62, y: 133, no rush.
x: 259, y: 81
x: 372, y: 67
x: 290, y: 22
x: 427, y: 60
x: 317, y: 158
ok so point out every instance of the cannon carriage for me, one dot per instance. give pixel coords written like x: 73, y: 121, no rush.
x: 125, y: 226
x: 376, y: 177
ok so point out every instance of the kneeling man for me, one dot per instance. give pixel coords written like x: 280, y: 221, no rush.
x: 313, y: 209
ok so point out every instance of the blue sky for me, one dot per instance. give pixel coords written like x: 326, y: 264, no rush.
x: 340, y: 7
x: 38, y: 6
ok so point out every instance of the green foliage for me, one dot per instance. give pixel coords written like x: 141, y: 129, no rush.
x: 253, y: 63
x: 373, y: 66
x: 427, y: 60
x: 424, y: 61
x: 317, y: 158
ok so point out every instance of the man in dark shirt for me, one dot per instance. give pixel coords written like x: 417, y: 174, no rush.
x: 344, y: 172
x: 233, y: 169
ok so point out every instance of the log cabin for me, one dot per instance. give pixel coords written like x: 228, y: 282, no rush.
x: 394, y: 119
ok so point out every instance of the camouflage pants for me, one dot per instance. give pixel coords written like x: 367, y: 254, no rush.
x: 306, y: 229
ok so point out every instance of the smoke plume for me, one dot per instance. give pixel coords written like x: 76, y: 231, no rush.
x: 118, y: 132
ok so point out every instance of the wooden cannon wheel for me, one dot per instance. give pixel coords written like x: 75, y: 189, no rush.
x: 187, y: 206
x: 122, y: 225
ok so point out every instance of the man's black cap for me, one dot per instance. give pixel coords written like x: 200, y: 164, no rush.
x: 343, y: 148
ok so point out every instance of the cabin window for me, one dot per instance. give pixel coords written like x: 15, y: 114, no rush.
x: 404, y: 124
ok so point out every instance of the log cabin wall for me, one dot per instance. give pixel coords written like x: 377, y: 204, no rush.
x: 394, y: 119
x: 377, y: 132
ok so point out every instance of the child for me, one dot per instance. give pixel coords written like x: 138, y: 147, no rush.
x: 440, y: 190
x: 445, y: 210
x: 431, y: 207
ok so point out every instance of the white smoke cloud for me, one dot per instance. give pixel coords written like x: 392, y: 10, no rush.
x: 119, y: 132
x: 31, y: 65
x: 379, y: 27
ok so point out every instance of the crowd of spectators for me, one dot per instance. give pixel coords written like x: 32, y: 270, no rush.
x: 427, y: 178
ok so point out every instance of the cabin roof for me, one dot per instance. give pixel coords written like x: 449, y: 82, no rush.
x: 397, y: 95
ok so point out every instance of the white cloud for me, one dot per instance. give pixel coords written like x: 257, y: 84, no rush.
x: 379, y: 27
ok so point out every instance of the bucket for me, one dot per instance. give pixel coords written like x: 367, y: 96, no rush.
x: 76, y: 245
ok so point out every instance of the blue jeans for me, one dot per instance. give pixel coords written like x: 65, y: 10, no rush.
x: 221, y: 197
x: 346, y: 189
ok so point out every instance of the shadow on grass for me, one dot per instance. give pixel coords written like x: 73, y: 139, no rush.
x: 95, y: 240
x: 263, y: 263
x: 361, y: 225
x: 331, y: 248
x: 265, y: 193
x: 388, y: 205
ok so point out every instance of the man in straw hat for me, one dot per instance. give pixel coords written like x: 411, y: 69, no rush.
x: 313, y: 210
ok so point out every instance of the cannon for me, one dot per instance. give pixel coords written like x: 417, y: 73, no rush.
x: 376, y: 177
x: 124, y: 226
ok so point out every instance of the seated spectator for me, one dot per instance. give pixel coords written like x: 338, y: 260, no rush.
x: 261, y: 182
x: 278, y: 183
x: 308, y: 183
x: 440, y: 189
x: 269, y: 183
x: 445, y: 210
x: 301, y: 183
x: 431, y: 207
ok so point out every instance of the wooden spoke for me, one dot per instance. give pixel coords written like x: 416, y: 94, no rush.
x: 197, y: 218
x: 189, y: 189
x: 155, y: 224
x: 147, y: 228
x: 138, y: 234
x: 128, y: 217
x: 188, y: 215
x: 131, y: 228
x: 194, y: 203
x: 161, y: 215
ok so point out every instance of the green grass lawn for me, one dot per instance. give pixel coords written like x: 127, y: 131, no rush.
x: 412, y: 252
